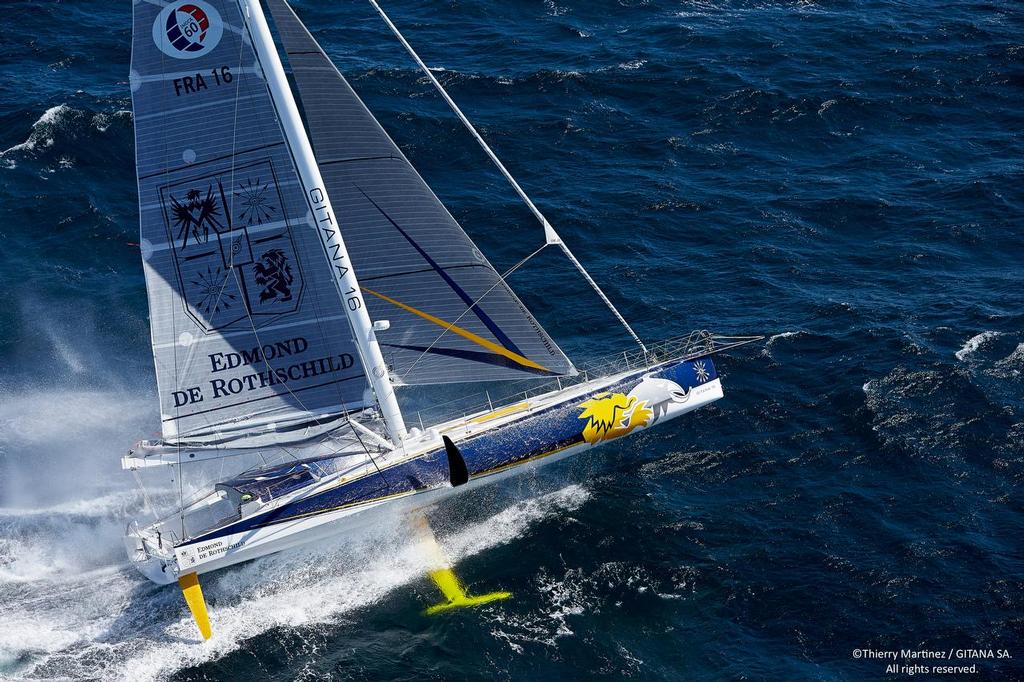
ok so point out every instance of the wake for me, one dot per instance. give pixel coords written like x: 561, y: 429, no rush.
x: 76, y: 610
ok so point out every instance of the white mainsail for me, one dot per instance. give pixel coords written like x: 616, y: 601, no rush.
x: 251, y: 326
x: 247, y: 324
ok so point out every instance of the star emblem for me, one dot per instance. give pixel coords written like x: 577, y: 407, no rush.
x: 701, y: 370
x: 256, y: 202
x: 210, y: 291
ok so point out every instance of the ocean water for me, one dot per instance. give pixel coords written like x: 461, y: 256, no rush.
x: 843, y: 177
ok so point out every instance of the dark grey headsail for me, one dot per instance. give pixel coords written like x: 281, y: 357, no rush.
x: 419, y: 269
x: 247, y: 324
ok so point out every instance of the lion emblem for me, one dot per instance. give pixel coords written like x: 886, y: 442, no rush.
x: 274, y: 274
x: 610, y: 415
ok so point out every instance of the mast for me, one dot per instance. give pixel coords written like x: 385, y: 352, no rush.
x: 326, y: 220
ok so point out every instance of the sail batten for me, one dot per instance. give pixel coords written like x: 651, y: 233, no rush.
x: 452, y: 318
x: 248, y: 329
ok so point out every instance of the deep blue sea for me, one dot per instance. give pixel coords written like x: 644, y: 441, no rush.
x: 846, y: 178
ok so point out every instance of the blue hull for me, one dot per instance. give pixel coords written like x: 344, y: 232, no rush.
x: 591, y: 418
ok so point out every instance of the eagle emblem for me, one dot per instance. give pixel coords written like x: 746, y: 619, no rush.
x: 196, y: 215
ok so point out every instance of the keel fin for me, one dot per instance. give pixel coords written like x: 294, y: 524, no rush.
x: 452, y: 589
x: 193, y: 594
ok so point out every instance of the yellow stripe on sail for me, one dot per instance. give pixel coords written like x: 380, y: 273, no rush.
x: 464, y: 333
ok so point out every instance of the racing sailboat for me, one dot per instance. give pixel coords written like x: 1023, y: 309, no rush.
x: 299, y: 273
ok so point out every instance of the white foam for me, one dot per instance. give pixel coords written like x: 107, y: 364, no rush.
x: 555, y: 10
x: 22, y: 634
x: 117, y: 626
x: 513, y: 522
x: 575, y: 593
x: 42, y: 129
x: 64, y: 541
x: 1014, y: 358
x: 102, y: 121
x: 75, y: 610
x: 974, y: 343
x: 63, y: 499
x: 632, y: 65
x: 767, y: 352
x: 783, y: 335
x: 1011, y: 366
x: 57, y: 121
x: 305, y: 588
x: 699, y: 9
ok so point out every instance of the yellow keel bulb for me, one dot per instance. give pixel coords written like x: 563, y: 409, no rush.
x: 453, y: 591
x: 196, y: 604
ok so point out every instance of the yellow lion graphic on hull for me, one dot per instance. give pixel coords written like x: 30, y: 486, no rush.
x: 611, y: 415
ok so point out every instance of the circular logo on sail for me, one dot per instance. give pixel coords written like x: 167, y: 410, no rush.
x: 186, y: 30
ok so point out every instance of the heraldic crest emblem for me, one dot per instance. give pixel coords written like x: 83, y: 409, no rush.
x: 232, y: 249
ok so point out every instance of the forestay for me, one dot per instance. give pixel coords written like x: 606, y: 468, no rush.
x: 247, y: 324
x: 419, y: 269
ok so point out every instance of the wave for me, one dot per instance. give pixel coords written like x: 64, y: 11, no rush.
x: 504, y: 76
x: 41, y: 129
x: 58, y: 129
x: 632, y: 65
x: 767, y: 350
x: 555, y: 10
x: 974, y: 343
x: 825, y: 106
x: 1010, y: 367
x: 934, y: 412
x: 565, y: 599
x: 725, y: 12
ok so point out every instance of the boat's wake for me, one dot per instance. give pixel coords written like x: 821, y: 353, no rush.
x: 74, y: 610
x: 114, y: 625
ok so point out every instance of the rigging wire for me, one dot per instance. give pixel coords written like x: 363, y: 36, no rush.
x: 550, y: 235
